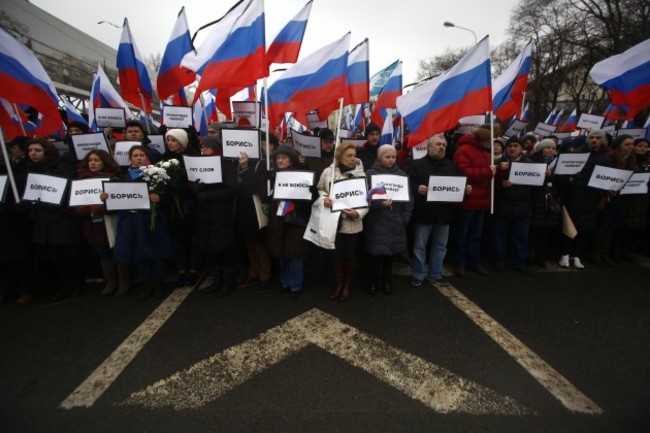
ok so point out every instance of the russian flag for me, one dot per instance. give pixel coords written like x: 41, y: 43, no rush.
x: 10, y: 121
x: 134, y: 78
x: 24, y: 81
x: 392, y: 90
x: 72, y: 113
x: 200, y: 118
x: 105, y: 94
x: 627, y: 76
x: 179, y: 98
x: 252, y: 94
x: 571, y: 123
x: 508, y: 89
x: 314, y: 81
x: 378, y: 190
x: 234, y: 54
x: 95, y: 101
x: 358, y: 80
x: 171, y: 75
x: 359, y: 118
x: 387, y: 130
x: 558, y: 117
x: 286, y: 45
x: 285, y: 207
x: 463, y: 90
x: 551, y: 116
x: 524, y: 113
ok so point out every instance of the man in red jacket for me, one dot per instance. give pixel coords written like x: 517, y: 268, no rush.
x: 472, y: 158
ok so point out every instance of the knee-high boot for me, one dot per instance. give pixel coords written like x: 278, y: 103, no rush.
x: 124, y: 279
x: 349, y: 266
x: 339, y: 273
x: 606, y: 242
x: 108, y: 268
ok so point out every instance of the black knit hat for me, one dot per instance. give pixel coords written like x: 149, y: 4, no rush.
x: 620, y: 139
x: 79, y: 125
x: 372, y: 127
x: 211, y: 141
x: 285, y: 149
x: 326, y: 134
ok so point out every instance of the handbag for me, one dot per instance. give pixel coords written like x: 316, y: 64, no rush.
x: 262, y: 217
x: 322, y: 226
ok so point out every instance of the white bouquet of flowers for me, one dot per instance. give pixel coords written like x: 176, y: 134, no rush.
x: 157, y: 179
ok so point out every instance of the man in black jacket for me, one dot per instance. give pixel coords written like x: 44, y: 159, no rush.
x: 430, y: 219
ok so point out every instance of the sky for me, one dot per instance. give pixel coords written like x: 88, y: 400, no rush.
x: 408, y: 30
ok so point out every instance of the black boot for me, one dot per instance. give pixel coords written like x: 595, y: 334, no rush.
x: 217, y: 282
x: 147, y: 290
x: 339, y: 274
x: 229, y: 284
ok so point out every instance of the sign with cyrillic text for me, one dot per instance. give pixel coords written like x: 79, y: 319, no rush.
x: 236, y: 141
x: 357, y: 143
x: 246, y: 113
x: 516, y: 128
x: 349, y: 194
x: 84, y: 143
x: 469, y: 123
x: 127, y: 196
x: 175, y: 116
x: 157, y: 143
x: 397, y: 187
x: 609, y: 129
x: 110, y: 117
x: 523, y: 173
x: 446, y: 188
x: 45, y: 188
x: 3, y: 188
x: 206, y: 169
x: 637, y: 184
x: 570, y: 163
x: 121, y: 153
x: 293, y: 185
x: 562, y: 135
x: 344, y: 133
x: 314, y: 121
x: 85, y: 192
x: 306, y: 145
x: 609, y: 179
x: 634, y: 132
x: 419, y: 150
x: 544, y: 129
x: 590, y: 121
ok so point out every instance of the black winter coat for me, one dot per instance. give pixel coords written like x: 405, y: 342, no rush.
x: 385, y: 227
x: 15, y: 224
x: 515, y: 201
x: 419, y: 171
x: 541, y: 217
x: 252, y: 180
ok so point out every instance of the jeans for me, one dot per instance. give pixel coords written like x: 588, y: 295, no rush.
x: 421, y: 233
x: 467, y: 237
x: 291, y: 273
x: 518, y: 228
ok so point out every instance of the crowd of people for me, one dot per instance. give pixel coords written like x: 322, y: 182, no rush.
x: 214, y: 230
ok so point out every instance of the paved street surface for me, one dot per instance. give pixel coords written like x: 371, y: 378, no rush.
x: 560, y: 351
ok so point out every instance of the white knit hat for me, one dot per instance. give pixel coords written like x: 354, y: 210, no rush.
x: 180, y: 135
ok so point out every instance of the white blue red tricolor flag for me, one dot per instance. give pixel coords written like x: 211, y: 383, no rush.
x: 508, y: 89
x: 135, y: 84
x: 172, y: 77
x: 379, y: 190
x: 286, y: 45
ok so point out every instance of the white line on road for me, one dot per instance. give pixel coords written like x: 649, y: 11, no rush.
x: 94, y: 386
x: 570, y: 396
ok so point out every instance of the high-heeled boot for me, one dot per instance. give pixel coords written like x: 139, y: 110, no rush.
x: 339, y: 274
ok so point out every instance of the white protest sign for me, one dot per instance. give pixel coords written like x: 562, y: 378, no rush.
x: 446, y: 188
x: 48, y: 189
x: 110, y: 117
x: 127, y: 196
x: 344, y: 133
x: 522, y: 173
x: 306, y: 145
x: 570, y: 163
x: 3, y: 187
x: 207, y: 169
x: 177, y: 116
x: 516, y: 128
x: 609, y: 179
x: 293, y: 185
x: 544, y: 129
x: 121, y: 154
x: 357, y: 143
x: 236, y: 141
x: 610, y: 129
x: 85, y: 192
x: 590, y: 121
x: 314, y: 121
x: 246, y: 113
x: 157, y: 143
x: 469, y: 123
x: 634, y: 132
x: 637, y: 184
x: 397, y: 187
x: 349, y: 194
x: 84, y: 143
x: 419, y: 150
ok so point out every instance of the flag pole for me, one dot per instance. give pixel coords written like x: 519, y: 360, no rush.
x: 146, y: 119
x: 20, y: 121
x: 10, y: 171
x: 492, y: 162
x: 338, y: 140
x: 268, y: 135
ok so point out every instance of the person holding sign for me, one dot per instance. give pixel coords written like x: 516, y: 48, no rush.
x: 345, y: 166
x: 287, y: 222
x: 215, y: 221
x: 616, y: 206
x: 386, y: 223
x: 473, y: 159
x: 135, y: 242
x: 581, y: 200
x: 431, y: 219
x: 98, y: 163
x: 512, y: 210
x: 318, y: 165
x: 56, y: 230
x: 635, y: 233
x: 181, y: 210
x: 134, y: 131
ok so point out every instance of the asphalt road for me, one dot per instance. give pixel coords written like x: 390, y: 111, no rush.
x: 559, y: 351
